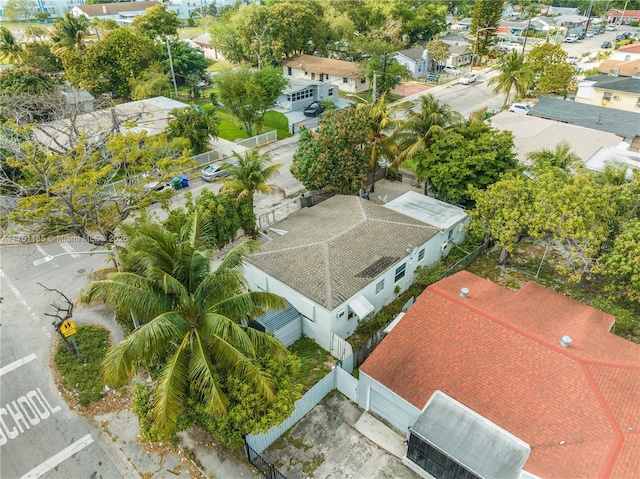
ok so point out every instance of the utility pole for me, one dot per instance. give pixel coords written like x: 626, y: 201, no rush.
x: 173, y: 75
x: 384, y: 72
x: 588, y: 16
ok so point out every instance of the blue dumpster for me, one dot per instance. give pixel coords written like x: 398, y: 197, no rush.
x: 185, y: 180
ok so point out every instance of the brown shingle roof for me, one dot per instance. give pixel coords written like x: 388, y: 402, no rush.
x: 100, y: 9
x: 313, y: 64
x: 625, y: 68
x: 497, y: 352
x: 327, y: 247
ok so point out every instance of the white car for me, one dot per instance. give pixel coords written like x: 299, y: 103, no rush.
x: 610, y: 28
x: 571, y: 39
x: 521, y: 108
x: 468, y: 78
x: 451, y: 70
x: 573, y: 60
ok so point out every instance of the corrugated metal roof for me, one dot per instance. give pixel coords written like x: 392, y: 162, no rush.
x: 275, y: 319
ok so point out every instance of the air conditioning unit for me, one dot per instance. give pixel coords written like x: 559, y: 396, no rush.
x: 616, y: 97
x: 614, y: 72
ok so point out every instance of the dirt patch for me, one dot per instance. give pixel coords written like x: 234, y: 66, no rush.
x: 410, y: 88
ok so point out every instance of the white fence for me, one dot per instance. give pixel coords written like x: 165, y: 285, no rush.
x: 259, y: 140
x: 278, y: 213
x: 340, y: 348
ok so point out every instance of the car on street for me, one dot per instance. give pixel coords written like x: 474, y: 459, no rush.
x: 521, y: 108
x: 314, y: 109
x: 606, y: 45
x: 572, y: 59
x: 509, y: 47
x: 216, y: 170
x: 468, y: 78
x: 610, y: 28
x: 589, y: 34
x: 451, y: 71
x: 573, y: 38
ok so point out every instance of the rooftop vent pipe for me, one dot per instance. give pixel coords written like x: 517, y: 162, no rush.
x: 565, y: 341
x: 464, y: 292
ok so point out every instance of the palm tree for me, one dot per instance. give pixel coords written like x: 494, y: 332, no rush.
x: 250, y: 173
x: 418, y: 130
x: 380, y: 125
x: 197, y: 318
x: 69, y: 32
x: 561, y: 157
x: 513, y: 74
x: 196, y: 125
x: 614, y: 174
x: 10, y: 49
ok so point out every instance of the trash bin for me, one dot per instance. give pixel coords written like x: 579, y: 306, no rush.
x: 177, y: 183
x: 185, y: 180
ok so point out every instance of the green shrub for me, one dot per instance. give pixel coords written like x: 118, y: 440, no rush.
x: 84, y: 376
x: 143, y: 407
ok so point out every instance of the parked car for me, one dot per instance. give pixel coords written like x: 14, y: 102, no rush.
x: 606, y: 45
x: 580, y: 35
x: 509, y: 47
x: 521, y: 108
x: 468, y: 78
x: 610, y: 28
x: 590, y: 34
x: 573, y: 38
x: 451, y: 71
x: 158, y: 186
x: 314, y: 109
x: 217, y: 170
x: 619, y: 37
x: 572, y: 59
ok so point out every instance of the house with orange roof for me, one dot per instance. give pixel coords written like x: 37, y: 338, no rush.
x: 473, y: 368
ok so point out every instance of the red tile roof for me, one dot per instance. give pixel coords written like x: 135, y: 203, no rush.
x: 631, y: 48
x: 498, y: 353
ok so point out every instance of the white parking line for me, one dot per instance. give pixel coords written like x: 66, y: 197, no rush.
x: 67, y: 247
x: 18, y: 295
x: 16, y: 364
x: 53, y: 461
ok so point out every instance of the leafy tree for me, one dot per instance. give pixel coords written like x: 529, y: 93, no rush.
x: 473, y: 154
x: 294, y: 27
x: 39, y: 55
x: 10, y: 48
x: 561, y: 157
x: 157, y: 22
x: 485, y: 20
x: 253, y: 30
x: 187, y: 61
x: 69, y: 32
x: 110, y: 64
x: 197, y: 321
x: 438, y: 50
x: 420, y: 129
x: 512, y: 75
x: 197, y: 125
x: 622, y: 263
x: 250, y: 94
x: 251, y: 175
x: 221, y: 211
x: 26, y: 81
x: 380, y: 124
x: 337, y: 156
x: 388, y: 72
x: 151, y: 82
x: 20, y: 10
x: 75, y: 192
x: 227, y: 38
x: 549, y: 70
x: 428, y: 21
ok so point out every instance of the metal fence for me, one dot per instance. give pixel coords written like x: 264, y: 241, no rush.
x: 364, y: 351
x: 465, y: 261
x: 266, y: 469
x: 259, y: 140
x: 312, y: 198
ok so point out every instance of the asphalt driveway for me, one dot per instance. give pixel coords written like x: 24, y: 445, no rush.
x: 325, y: 444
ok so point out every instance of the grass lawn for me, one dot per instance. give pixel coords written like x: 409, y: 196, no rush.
x: 83, y: 376
x: 315, y: 362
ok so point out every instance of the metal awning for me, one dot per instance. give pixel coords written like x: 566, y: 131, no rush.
x: 361, y: 306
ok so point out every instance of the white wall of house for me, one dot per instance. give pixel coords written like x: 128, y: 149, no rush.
x: 418, y: 69
x: 376, y: 398
x: 349, y: 85
x: 56, y: 8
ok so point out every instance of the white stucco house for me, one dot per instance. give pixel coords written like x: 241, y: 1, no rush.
x: 347, y: 76
x: 298, y: 94
x: 347, y: 257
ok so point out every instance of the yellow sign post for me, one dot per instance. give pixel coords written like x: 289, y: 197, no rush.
x: 68, y: 328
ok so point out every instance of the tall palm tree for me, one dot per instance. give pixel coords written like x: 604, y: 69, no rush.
x: 10, y: 48
x: 561, y: 157
x: 512, y: 74
x: 196, y: 318
x: 418, y: 130
x: 379, y: 128
x: 69, y: 32
x: 614, y: 174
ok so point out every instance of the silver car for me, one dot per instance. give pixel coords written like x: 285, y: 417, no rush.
x: 216, y: 170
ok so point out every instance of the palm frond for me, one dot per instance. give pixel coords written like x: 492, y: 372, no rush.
x: 203, y: 377
x: 173, y: 386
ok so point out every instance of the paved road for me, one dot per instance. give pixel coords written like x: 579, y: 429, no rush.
x: 39, y: 434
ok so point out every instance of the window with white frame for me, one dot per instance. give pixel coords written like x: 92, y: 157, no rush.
x: 302, y: 94
x: 330, y: 92
x: 380, y: 286
x: 606, y: 96
x: 400, y: 272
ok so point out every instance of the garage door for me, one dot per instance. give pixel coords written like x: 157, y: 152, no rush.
x: 389, y: 410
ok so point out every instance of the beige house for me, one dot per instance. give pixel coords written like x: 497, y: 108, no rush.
x: 347, y: 76
x: 210, y: 52
x: 620, y: 93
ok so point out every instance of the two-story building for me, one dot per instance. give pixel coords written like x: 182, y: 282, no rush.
x: 347, y: 76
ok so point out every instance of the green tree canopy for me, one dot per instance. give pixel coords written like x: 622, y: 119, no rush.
x: 472, y: 154
x: 549, y: 71
x: 622, y: 263
x: 69, y: 32
x: 195, y: 320
x: 186, y: 61
x: 249, y: 94
x: 157, y: 22
x: 337, y: 156
x: 26, y: 81
x: 197, y: 125
x: 485, y: 20
x: 10, y: 48
x: 39, y: 55
x: 561, y: 157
